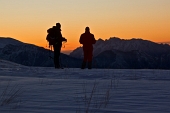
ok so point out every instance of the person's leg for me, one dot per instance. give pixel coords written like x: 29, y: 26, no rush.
x: 90, y: 55
x: 83, y: 65
x: 85, y: 58
x: 57, y: 49
x: 55, y: 54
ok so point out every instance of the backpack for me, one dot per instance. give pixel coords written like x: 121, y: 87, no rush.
x: 51, y: 37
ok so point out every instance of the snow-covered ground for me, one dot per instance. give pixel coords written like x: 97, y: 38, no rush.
x: 47, y: 90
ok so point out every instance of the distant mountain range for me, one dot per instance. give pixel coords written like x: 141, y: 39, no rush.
x: 133, y: 53
x: 112, y: 53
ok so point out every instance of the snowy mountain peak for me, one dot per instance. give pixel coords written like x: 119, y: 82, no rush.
x: 115, y: 43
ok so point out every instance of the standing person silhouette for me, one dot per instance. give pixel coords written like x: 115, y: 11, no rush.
x: 58, y: 44
x: 87, y: 39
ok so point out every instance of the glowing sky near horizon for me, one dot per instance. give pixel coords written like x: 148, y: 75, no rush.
x: 28, y: 20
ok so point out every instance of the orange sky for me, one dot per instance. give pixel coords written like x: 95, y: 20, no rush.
x: 28, y: 20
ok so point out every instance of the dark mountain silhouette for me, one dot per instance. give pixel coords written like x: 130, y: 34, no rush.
x: 134, y: 53
x: 125, y: 60
x: 31, y: 55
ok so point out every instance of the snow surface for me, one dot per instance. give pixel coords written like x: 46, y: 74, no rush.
x: 47, y: 90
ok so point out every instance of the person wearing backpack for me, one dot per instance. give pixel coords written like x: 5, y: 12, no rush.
x: 55, y: 40
x: 87, y: 39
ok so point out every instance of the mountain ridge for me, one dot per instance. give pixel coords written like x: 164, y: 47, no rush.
x: 114, y: 53
x: 123, y: 45
x: 31, y: 55
x: 128, y: 54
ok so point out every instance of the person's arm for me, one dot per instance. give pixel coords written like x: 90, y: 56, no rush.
x: 93, y: 39
x: 64, y: 39
x: 81, y: 40
x: 59, y: 37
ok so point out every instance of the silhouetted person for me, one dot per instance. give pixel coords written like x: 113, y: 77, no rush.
x: 56, y: 39
x: 87, y: 39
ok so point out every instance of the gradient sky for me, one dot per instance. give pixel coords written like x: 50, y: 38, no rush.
x: 28, y: 20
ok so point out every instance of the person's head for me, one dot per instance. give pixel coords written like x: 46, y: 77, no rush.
x: 58, y: 25
x: 87, y: 29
